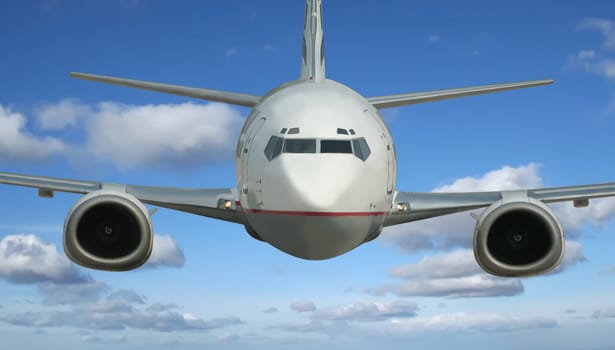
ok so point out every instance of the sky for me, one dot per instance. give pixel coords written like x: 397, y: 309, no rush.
x: 208, y: 283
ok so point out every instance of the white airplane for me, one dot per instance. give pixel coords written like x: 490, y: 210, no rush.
x: 316, y: 171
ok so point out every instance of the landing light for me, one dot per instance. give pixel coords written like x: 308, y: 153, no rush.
x: 403, y: 207
x: 224, y: 204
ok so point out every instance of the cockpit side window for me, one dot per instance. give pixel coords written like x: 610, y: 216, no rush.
x: 335, y: 146
x: 300, y: 146
x: 274, y: 147
x: 361, y: 149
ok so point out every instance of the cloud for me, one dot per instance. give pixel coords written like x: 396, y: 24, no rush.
x: 185, y: 134
x: 589, y: 60
x: 127, y: 136
x: 604, y: 313
x: 454, y: 275
x: 303, y: 306
x: 75, y: 299
x: 118, y: 312
x: 25, y: 259
x: 433, y: 38
x: 62, y: 114
x: 464, y: 322
x: 17, y: 144
x: 458, y: 275
x: 270, y: 310
x: 604, y: 26
x: 165, y: 252
x: 456, y: 230
x: 367, y: 311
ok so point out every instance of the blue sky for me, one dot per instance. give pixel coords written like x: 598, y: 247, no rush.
x: 209, y: 283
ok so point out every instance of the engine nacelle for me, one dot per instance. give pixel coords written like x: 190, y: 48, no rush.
x: 517, y: 237
x: 108, y: 230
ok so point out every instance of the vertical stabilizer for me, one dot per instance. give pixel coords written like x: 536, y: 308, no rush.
x: 313, y: 59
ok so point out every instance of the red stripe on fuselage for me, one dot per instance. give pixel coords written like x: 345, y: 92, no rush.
x: 315, y: 213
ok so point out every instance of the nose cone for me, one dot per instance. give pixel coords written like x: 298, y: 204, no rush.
x: 319, y: 184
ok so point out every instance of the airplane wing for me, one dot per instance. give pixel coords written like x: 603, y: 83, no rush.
x: 234, y: 98
x: 413, y: 206
x: 218, y: 203
x: 381, y: 102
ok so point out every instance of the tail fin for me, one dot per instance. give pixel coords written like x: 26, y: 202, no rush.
x: 313, y: 61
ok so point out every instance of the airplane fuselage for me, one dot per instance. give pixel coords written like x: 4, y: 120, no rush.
x: 315, y: 169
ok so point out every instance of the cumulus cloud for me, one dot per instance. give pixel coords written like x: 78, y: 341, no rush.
x: 454, y: 275
x: 28, y: 260
x: 75, y: 299
x: 456, y: 230
x: 118, y: 311
x: 303, y: 306
x: 17, y: 144
x: 128, y: 136
x: 66, y: 113
x: 186, y: 134
x: 367, y: 311
x: 165, y: 252
x: 458, y: 275
x: 464, y: 322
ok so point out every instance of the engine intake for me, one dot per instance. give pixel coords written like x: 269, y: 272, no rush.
x: 518, y: 238
x: 108, y: 230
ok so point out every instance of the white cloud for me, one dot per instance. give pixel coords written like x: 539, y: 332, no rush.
x: 367, y: 311
x: 585, y: 55
x: 589, y: 60
x: 457, y: 264
x: 605, y: 27
x: 303, y: 306
x: 458, y: 275
x: 433, y: 38
x: 505, y: 178
x: 98, y: 316
x: 165, y: 252
x: 26, y: 259
x: 464, y: 322
x: 57, y: 116
x: 17, y: 144
x: 454, y: 275
x: 187, y: 134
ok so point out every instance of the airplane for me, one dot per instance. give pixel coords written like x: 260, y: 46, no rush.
x: 315, y: 178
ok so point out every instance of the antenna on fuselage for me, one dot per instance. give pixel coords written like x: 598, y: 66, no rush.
x: 313, y: 58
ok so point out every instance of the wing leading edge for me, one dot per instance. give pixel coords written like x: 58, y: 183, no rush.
x: 413, y: 206
x: 205, y: 202
x: 388, y: 101
x: 234, y: 98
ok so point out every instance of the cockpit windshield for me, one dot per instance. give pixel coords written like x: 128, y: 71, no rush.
x: 277, y: 145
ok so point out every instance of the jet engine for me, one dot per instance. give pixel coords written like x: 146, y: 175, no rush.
x: 518, y: 237
x: 108, y: 230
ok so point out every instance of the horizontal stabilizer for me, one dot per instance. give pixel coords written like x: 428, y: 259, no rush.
x: 204, y: 94
x: 388, y: 101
